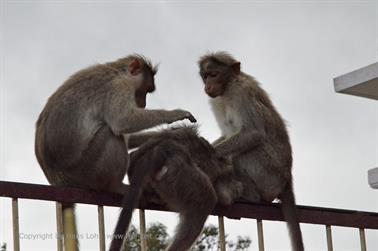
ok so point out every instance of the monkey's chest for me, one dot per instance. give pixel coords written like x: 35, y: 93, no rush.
x: 232, y: 122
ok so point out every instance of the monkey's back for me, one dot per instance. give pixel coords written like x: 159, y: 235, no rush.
x: 70, y: 119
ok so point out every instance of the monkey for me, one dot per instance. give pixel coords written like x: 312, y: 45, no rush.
x: 203, y: 154
x: 193, y: 179
x: 81, y: 133
x: 253, y: 134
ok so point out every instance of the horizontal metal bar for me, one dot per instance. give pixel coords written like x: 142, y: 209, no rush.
x: 264, y: 211
x: 61, y: 194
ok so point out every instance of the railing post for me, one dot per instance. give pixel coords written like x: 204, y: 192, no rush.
x: 222, y: 239
x: 362, y: 239
x: 260, y: 235
x: 142, y: 227
x: 101, y: 227
x: 329, y: 238
x: 15, y: 222
x: 59, y: 226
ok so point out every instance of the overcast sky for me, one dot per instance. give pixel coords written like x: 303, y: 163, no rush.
x: 293, y: 49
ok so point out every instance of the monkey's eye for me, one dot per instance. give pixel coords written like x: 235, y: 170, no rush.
x: 209, y: 75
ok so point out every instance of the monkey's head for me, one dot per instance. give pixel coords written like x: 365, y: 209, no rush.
x: 217, y: 70
x: 141, y: 70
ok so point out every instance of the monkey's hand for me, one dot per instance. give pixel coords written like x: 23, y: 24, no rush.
x: 182, y: 114
x: 240, y: 142
x: 225, y: 164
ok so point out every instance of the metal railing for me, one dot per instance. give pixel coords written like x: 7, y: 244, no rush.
x: 259, y: 211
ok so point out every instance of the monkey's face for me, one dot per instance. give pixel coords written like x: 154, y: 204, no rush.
x: 216, y: 77
x: 146, y: 86
x: 143, y: 74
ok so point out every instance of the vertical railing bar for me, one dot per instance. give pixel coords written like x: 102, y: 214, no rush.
x: 101, y: 227
x: 59, y: 226
x: 15, y: 222
x: 329, y: 238
x: 362, y: 239
x: 142, y: 227
x: 260, y: 235
x: 222, y: 239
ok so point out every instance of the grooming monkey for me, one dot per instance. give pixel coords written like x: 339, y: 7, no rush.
x: 253, y: 133
x: 80, y: 132
x: 193, y: 179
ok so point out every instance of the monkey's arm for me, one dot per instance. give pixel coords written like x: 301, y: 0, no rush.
x: 223, y: 169
x: 217, y: 141
x: 240, y: 142
x: 123, y: 115
x: 251, y: 135
x: 137, y: 119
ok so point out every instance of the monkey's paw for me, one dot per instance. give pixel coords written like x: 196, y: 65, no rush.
x: 182, y: 114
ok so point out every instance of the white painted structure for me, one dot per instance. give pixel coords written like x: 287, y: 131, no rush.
x: 364, y: 83
x: 373, y: 177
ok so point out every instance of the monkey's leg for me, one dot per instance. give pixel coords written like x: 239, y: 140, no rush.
x: 69, y: 227
x: 259, y: 183
x: 250, y: 191
x: 188, y: 190
x: 108, y: 163
x: 228, y: 190
x: 102, y: 167
x: 152, y: 152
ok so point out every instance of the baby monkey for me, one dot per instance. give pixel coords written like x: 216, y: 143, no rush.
x: 188, y: 177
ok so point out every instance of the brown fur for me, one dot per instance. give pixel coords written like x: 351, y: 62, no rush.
x: 253, y: 133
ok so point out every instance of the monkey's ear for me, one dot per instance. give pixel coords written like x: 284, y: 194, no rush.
x: 135, y: 67
x: 236, y: 68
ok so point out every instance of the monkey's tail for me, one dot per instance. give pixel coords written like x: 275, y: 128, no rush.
x: 290, y: 215
x: 188, y: 229
x: 193, y: 218
x: 71, y: 242
x: 147, y: 164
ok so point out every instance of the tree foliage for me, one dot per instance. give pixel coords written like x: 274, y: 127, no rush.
x: 3, y: 247
x: 158, y: 239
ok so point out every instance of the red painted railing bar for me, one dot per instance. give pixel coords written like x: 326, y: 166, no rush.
x: 264, y: 211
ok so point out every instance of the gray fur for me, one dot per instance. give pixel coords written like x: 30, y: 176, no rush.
x: 79, y: 136
x: 253, y: 134
x: 194, y: 178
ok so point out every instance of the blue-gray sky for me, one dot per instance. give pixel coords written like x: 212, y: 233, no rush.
x: 294, y: 49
